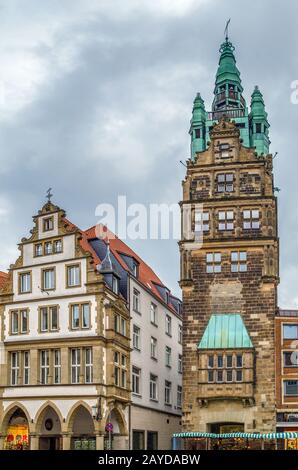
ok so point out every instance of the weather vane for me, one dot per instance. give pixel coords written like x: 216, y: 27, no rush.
x: 226, y: 33
x: 49, y: 194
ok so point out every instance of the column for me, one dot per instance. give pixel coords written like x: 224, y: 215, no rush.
x: 99, y: 441
x: 34, y: 441
x: 65, y: 368
x: 66, y: 441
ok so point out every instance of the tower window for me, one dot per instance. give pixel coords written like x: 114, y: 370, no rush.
x: 224, y: 150
x: 201, y: 221
x: 258, y: 128
x: 226, y: 368
x: 225, y: 182
x: 197, y: 133
x: 238, y: 261
x: 226, y: 220
x: 251, y: 219
x: 213, y: 262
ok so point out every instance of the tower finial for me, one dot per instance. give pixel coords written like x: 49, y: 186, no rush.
x: 49, y: 194
x: 226, y: 32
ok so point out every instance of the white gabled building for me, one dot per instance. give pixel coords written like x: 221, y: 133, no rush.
x: 64, y: 370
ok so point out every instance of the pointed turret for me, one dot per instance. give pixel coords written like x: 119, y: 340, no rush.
x: 109, y: 270
x: 197, y: 126
x: 228, y: 88
x: 259, y: 126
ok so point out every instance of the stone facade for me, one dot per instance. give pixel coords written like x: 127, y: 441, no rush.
x: 57, y: 370
x: 241, y: 279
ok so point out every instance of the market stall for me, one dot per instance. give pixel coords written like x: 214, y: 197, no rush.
x: 235, y: 441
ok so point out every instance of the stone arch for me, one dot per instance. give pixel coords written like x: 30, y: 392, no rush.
x: 117, y: 413
x: 40, y: 415
x: 10, y: 411
x: 72, y: 414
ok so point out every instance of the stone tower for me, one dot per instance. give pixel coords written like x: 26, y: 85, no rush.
x: 229, y: 263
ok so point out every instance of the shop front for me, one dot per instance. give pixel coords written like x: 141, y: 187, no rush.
x: 17, y: 432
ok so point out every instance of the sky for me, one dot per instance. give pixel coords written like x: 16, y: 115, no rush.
x: 96, y: 98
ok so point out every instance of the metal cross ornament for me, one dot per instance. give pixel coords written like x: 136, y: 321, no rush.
x: 49, y: 194
x: 226, y: 33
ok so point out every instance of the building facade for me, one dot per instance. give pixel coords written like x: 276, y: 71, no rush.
x: 156, y: 367
x: 64, y: 369
x: 156, y: 346
x: 286, y: 334
x: 229, y: 263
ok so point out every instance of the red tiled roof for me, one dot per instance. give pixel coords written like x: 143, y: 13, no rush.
x: 146, y: 276
x: 3, y: 278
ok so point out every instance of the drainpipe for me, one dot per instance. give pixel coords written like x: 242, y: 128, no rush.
x: 129, y: 427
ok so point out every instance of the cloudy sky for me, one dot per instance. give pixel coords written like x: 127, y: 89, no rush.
x: 96, y: 97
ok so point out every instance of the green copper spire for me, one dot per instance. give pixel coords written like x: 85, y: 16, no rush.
x: 227, y: 70
x: 259, y: 124
x: 228, y: 88
x: 197, y: 126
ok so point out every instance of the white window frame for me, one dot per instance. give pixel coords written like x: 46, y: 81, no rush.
x: 251, y: 219
x: 75, y: 355
x: 153, y: 314
x: 57, y: 366
x: 136, y: 337
x: 168, y: 392
x: 225, y: 220
x: 238, y: 261
x: 168, y: 325
x: 26, y: 367
x: 73, y: 274
x: 88, y: 353
x: 44, y: 366
x: 180, y: 363
x: 25, y: 283
x: 213, y: 263
x: 14, y: 367
x: 168, y: 356
x: 136, y: 300
x: 153, y: 387
x: 201, y: 221
x: 179, y: 396
x: 136, y: 380
x: 48, y: 279
x: 153, y: 347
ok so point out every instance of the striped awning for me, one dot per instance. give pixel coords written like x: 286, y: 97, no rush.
x: 247, y: 435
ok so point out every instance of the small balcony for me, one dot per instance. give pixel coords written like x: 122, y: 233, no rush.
x: 230, y: 113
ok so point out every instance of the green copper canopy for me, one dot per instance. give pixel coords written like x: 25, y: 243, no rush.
x: 227, y: 70
x: 225, y: 331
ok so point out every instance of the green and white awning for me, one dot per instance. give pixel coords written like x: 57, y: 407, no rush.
x: 246, y: 435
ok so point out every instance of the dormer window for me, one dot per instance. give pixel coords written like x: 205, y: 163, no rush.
x: 48, y: 224
x: 224, y: 150
x: 135, y: 270
x: 115, y: 285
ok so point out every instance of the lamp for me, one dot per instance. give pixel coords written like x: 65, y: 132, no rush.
x: 96, y: 410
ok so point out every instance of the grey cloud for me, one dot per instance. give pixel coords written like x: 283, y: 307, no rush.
x: 138, y: 73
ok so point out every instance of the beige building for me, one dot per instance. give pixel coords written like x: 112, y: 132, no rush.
x: 64, y: 366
